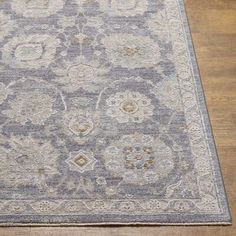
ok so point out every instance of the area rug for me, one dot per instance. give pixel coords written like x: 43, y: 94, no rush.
x: 103, y: 118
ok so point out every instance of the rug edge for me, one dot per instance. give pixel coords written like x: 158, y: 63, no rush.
x: 203, y: 105
x: 113, y: 224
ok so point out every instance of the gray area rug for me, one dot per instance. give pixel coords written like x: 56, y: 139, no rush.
x: 103, y: 118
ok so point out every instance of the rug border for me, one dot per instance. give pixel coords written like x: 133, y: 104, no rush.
x: 186, y: 219
x: 205, y: 114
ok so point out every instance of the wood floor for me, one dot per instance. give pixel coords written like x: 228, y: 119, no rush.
x: 213, y: 25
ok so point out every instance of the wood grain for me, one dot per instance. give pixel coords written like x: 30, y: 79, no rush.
x: 213, y: 26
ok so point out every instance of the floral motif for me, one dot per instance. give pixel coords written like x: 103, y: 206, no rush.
x: 73, y: 21
x: 127, y: 206
x: 129, y: 106
x: 154, y: 205
x: 81, y: 124
x: 44, y: 206
x: 182, y: 205
x: 4, y: 92
x: 139, y: 159
x: 101, y: 181
x: 67, y: 21
x: 81, y: 161
x: 169, y: 86
x: 132, y: 51
x: 80, y: 74
x: 111, y: 190
x: 32, y: 51
x: 6, y: 25
x: 36, y: 8
x: 16, y: 207
x: 80, y: 4
x: 158, y: 25
x: 124, y: 7
x: 28, y: 161
x: 31, y: 106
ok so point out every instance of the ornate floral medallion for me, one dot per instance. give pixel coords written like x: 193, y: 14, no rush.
x: 132, y: 51
x: 129, y: 106
x: 32, y: 51
x: 80, y: 74
x: 31, y: 106
x: 139, y: 159
x: 29, y: 162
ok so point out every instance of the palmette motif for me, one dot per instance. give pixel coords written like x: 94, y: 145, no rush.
x: 110, y: 122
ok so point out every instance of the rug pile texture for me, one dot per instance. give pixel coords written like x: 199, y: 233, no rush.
x: 102, y: 116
